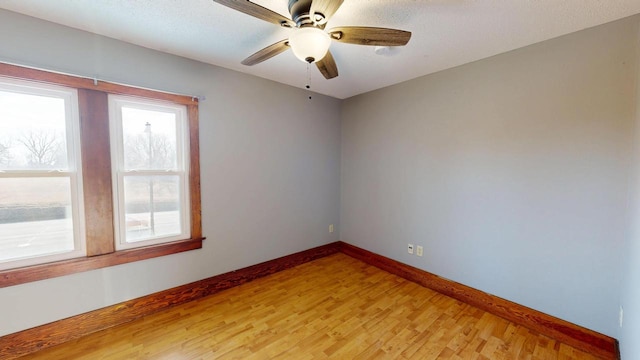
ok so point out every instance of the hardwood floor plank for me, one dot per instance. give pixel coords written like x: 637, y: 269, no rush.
x: 577, y: 336
x: 334, y: 307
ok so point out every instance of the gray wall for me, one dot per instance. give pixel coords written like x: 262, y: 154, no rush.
x: 512, y: 172
x: 630, y: 333
x: 270, y: 177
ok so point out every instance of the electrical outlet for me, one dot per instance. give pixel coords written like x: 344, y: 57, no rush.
x: 331, y: 228
x: 419, y: 250
x: 621, y: 316
x: 410, y: 248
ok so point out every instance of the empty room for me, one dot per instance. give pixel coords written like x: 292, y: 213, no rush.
x: 319, y: 179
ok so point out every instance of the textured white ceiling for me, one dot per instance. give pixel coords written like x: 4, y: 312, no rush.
x: 446, y: 33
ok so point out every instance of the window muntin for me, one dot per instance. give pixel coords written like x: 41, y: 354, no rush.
x: 150, y: 171
x: 41, y: 214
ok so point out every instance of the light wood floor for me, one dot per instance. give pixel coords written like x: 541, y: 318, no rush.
x: 335, y: 307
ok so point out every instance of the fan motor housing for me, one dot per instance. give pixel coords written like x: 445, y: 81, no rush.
x: 299, y: 10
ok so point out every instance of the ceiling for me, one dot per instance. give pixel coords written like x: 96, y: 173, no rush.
x: 445, y: 33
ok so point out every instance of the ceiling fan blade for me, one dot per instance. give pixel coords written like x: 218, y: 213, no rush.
x: 267, y: 53
x: 325, y: 7
x: 255, y: 10
x: 327, y: 66
x: 370, y: 36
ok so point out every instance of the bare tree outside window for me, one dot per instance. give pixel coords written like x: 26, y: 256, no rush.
x: 45, y: 149
x: 160, y: 155
x: 5, y: 153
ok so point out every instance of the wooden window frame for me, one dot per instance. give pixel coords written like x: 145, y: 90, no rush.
x: 97, y: 179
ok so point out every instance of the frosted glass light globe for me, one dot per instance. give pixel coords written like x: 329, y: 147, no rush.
x: 309, y: 44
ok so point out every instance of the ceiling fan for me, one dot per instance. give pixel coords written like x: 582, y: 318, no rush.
x: 309, y: 41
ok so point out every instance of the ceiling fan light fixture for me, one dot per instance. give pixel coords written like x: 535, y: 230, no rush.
x: 309, y: 44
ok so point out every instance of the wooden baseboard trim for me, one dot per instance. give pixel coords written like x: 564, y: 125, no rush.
x: 42, y: 337
x: 571, y: 334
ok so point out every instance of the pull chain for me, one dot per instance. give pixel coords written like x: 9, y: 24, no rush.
x: 308, y: 80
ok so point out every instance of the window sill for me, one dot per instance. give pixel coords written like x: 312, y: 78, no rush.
x: 46, y: 271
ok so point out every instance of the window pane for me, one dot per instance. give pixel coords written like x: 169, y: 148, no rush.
x: 32, y: 132
x: 149, y: 139
x: 35, y: 217
x: 148, y: 153
x: 152, y: 207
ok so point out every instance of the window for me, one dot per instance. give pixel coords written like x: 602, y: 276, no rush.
x: 40, y: 188
x: 149, y: 153
x: 83, y: 186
